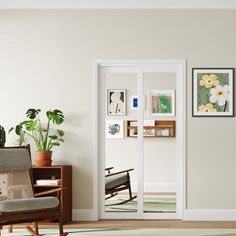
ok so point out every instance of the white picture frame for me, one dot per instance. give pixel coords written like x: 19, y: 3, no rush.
x: 161, y: 103
x: 114, y: 129
x: 213, y: 92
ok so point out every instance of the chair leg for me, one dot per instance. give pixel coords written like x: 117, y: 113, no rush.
x: 30, y: 230
x: 112, y: 195
x: 130, y: 192
x: 36, y: 228
x: 61, y: 224
x: 10, y: 228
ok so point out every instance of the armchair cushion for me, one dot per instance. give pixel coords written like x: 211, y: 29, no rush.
x: 14, y: 159
x: 114, y: 181
x: 28, y: 204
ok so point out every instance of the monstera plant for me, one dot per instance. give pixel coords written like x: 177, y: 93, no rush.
x: 43, y: 136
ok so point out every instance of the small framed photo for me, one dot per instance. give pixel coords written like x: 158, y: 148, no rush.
x: 213, y: 92
x: 116, y: 102
x: 133, y: 132
x: 163, y: 132
x: 148, y: 132
x: 134, y: 102
x: 162, y: 103
x: 114, y: 129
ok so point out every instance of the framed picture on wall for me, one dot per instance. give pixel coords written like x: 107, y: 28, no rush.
x: 162, y: 102
x: 116, y: 102
x: 213, y: 92
x: 148, y: 132
x: 114, y: 129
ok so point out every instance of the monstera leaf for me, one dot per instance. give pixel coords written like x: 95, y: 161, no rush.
x: 56, y: 116
x: 32, y: 113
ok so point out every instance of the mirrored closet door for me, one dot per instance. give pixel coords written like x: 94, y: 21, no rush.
x: 139, y: 163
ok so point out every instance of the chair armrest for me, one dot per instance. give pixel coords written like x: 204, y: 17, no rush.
x: 109, y: 169
x: 56, y: 190
x: 120, y: 172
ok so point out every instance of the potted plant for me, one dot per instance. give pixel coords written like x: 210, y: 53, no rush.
x: 42, y: 135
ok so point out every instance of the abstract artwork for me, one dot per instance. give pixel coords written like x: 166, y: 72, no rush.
x: 116, y: 102
x: 213, y: 91
x: 115, y: 129
x: 162, y: 102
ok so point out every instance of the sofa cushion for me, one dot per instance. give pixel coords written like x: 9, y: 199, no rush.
x: 28, y: 204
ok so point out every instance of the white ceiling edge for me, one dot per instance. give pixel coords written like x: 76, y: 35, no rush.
x: 117, y: 4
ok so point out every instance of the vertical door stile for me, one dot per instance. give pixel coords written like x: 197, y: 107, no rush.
x: 140, y: 143
x: 101, y: 126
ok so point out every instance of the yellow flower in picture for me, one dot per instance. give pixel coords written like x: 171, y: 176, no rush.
x: 207, y: 108
x: 209, y: 80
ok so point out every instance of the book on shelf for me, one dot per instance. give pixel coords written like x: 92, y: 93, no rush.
x: 48, y: 181
x: 145, y: 123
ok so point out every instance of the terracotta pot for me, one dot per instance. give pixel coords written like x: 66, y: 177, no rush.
x: 43, y: 158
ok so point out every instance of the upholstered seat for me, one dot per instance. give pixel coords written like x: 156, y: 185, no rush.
x: 117, y: 182
x: 114, y: 181
x: 18, y: 202
x: 28, y: 204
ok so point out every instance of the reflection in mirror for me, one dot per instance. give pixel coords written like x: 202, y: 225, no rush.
x: 160, y: 176
x: 120, y: 152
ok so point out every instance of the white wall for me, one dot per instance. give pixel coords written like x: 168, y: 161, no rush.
x: 46, y: 61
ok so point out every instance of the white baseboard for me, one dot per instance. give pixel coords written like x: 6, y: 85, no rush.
x: 209, y: 215
x: 189, y: 215
x: 84, y: 214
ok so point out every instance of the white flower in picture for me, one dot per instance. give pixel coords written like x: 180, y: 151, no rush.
x: 219, y: 94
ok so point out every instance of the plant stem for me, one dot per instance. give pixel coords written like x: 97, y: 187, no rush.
x: 36, y: 141
x: 46, y: 136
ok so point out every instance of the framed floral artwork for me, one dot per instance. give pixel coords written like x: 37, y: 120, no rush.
x: 213, y: 92
x: 162, y: 103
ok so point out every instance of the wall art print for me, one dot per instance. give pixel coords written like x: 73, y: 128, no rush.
x: 162, y: 103
x: 114, y: 129
x: 213, y: 91
x: 116, y: 102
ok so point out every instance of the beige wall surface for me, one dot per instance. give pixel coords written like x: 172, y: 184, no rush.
x: 46, y: 61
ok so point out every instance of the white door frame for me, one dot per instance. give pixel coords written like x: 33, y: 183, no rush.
x: 180, y: 66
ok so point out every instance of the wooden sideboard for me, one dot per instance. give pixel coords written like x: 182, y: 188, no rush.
x: 64, y: 173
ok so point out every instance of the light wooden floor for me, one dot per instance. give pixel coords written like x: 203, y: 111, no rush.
x: 145, y: 224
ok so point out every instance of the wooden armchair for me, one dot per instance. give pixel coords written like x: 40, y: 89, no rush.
x: 116, y: 182
x: 17, y: 200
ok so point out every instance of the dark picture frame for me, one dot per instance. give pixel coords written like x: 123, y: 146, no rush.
x: 213, y: 92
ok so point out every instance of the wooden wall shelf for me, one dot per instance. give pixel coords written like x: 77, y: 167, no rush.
x: 63, y: 172
x: 152, y: 129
